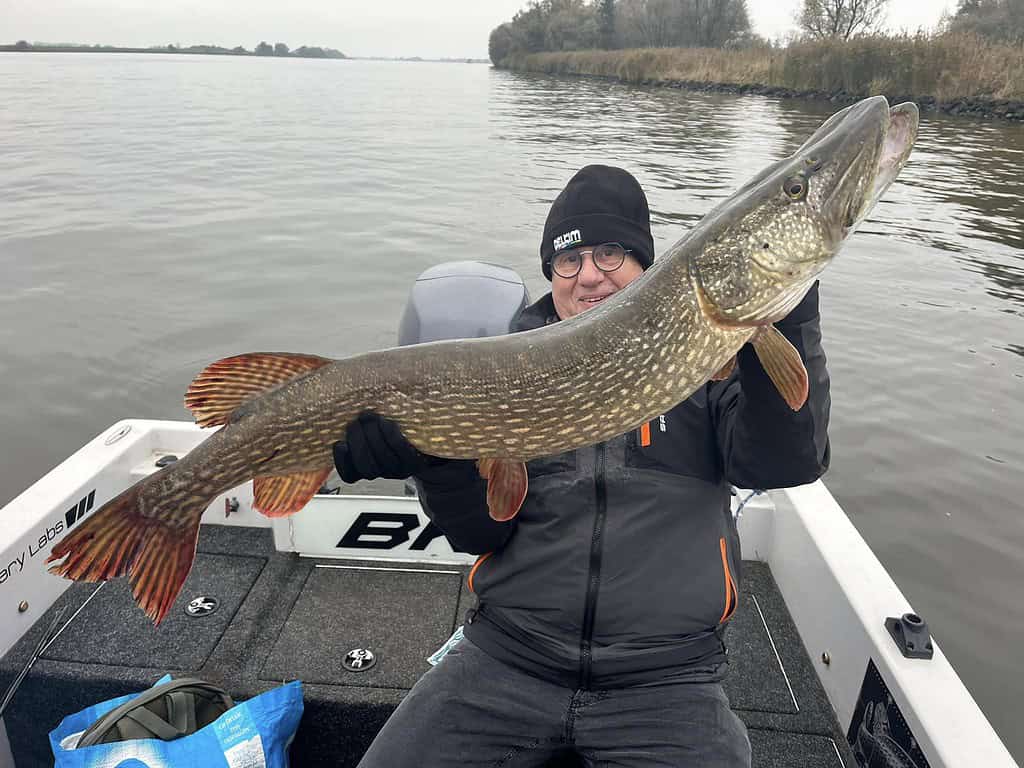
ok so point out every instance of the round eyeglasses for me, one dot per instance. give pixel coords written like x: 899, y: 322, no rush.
x: 607, y: 257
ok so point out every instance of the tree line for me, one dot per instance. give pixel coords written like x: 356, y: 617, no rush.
x: 303, y: 51
x: 570, y: 25
x: 263, y: 49
x: 1001, y: 20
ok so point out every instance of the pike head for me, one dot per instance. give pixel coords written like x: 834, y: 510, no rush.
x: 764, y: 246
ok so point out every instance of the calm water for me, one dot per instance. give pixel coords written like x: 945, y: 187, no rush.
x: 161, y: 212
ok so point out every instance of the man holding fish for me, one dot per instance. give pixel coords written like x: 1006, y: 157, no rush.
x: 602, y: 603
x: 587, y: 458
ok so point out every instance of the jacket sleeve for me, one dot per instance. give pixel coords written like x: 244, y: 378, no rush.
x: 764, y: 443
x: 454, y: 496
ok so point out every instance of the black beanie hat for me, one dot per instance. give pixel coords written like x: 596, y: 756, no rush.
x: 600, y: 204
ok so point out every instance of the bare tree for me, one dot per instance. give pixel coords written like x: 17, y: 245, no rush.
x: 569, y: 25
x: 648, y: 23
x: 841, y: 18
x: 712, y: 23
x: 571, y: 30
x: 659, y: 23
x: 605, y: 10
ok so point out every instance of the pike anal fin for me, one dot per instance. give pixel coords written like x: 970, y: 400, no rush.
x: 117, y: 540
x: 287, y: 494
x: 783, y: 365
x: 506, y: 486
x: 224, y: 385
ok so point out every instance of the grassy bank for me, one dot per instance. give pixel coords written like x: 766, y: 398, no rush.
x: 955, y: 73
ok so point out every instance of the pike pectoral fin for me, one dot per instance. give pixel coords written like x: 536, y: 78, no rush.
x: 506, y: 486
x: 287, y: 494
x: 725, y: 371
x: 783, y: 365
x: 156, y: 553
x: 223, y: 386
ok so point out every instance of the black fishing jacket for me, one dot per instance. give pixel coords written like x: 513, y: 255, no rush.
x: 623, y: 563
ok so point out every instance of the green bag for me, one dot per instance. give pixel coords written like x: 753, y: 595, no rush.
x: 166, y: 712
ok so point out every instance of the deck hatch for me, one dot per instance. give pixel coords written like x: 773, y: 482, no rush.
x: 757, y: 680
x: 794, y: 750
x: 180, y: 642
x: 401, y: 615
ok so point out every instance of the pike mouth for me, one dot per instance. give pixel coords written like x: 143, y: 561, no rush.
x: 897, y: 143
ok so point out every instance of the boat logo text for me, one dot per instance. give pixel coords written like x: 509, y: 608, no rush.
x: 40, y: 542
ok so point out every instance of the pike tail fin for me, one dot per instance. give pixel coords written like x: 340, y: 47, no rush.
x: 117, y: 540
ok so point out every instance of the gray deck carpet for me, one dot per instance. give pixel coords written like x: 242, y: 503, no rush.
x: 281, y: 617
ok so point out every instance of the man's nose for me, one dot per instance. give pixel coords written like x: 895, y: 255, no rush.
x: 589, y: 273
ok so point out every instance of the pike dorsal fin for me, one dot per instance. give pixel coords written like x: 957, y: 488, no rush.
x: 224, y: 385
x: 287, y: 494
x: 783, y: 365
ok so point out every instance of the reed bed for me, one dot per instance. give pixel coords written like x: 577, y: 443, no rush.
x: 934, y: 68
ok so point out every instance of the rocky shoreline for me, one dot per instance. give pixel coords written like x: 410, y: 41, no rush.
x: 970, y: 107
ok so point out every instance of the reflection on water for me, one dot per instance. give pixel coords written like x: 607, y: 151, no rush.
x: 161, y: 212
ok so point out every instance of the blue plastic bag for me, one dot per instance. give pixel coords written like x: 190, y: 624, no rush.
x: 253, y: 734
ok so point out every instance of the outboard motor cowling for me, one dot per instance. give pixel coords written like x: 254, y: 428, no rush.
x: 462, y: 300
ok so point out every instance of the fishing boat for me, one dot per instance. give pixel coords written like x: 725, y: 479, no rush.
x: 357, y: 594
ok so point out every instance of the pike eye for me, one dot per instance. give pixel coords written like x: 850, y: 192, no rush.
x: 795, y: 187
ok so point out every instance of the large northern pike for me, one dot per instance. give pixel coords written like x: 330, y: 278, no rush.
x: 508, y: 399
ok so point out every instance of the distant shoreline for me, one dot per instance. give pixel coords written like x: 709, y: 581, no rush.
x: 303, y: 52
x: 216, y: 50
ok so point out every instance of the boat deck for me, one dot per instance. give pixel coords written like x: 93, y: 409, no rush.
x: 281, y: 617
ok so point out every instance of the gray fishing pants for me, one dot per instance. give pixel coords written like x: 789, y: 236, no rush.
x: 472, y: 710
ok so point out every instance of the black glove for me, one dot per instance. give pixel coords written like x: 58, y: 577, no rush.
x: 806, y: 310
x: 375, y: 447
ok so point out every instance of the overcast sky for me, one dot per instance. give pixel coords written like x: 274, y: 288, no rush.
x: 429, y: 28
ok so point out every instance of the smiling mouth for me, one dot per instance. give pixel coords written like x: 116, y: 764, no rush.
x: 593, y: 299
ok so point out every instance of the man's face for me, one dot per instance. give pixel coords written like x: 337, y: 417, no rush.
x: 591, y: 286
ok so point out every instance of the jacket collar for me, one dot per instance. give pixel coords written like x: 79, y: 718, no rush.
x: 540, y: 313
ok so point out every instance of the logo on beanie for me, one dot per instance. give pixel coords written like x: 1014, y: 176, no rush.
x: 575, y: 237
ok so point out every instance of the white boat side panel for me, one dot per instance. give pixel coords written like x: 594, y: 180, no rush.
x: 45, y: 512
x: 756, y: 525
x: 392, y: 528
x: 39, y: 517
x: 839, y: 596
x: 396, y: 528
